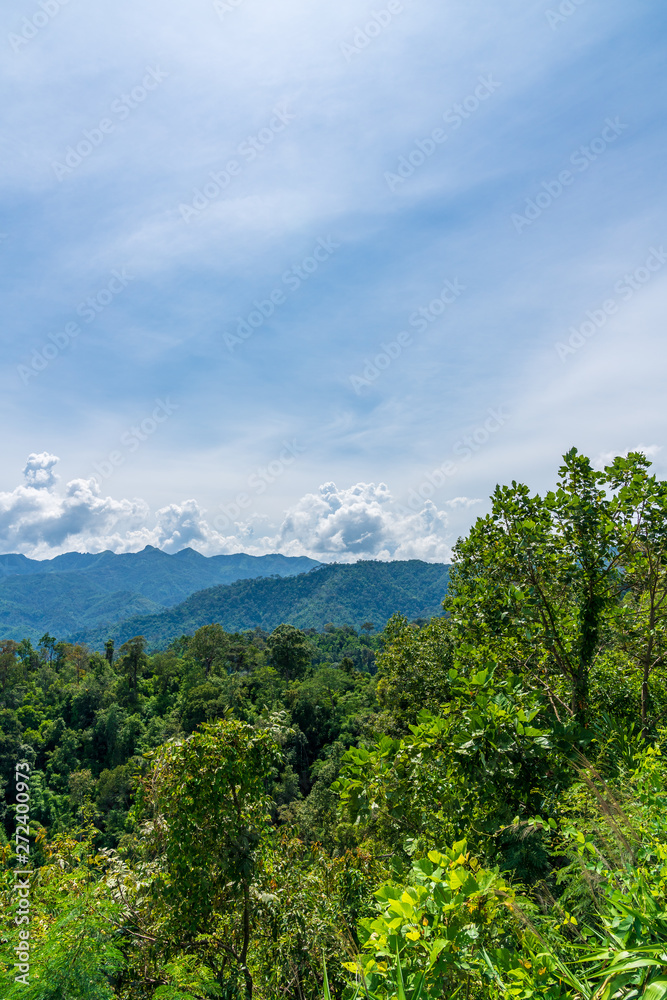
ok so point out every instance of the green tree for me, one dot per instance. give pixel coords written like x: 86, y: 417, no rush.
x: 537, y: 583
x: 641, y: 623
x: 133, y: 660
x: 74, y: 928
x: 48, y: 646
x: 81, y: 661
x: 290, y: 651
x: 8, y: 660
x: 413, y: 669
x: 208, y: 645
x: 210, y: 803
x: 489, y: 756
x: 27, y: 654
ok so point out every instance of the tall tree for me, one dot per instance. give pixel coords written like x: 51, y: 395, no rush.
x: 8, y: 659
x: 290, y: 651
x: 211, y: 810
x: 641, y: 623
x: 208, y: 645
x: 48, y: 646
x: 540, y: 580
x: 133, y: 660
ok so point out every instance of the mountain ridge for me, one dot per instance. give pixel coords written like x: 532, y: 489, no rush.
x: 78, y: 590
x: 343, y: 594
x: 109, y: 568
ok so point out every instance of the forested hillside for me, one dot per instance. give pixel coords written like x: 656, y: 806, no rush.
x: 335, y: 594
x: 79, y: 590
x: 30, y: 606
x: 470, y: 807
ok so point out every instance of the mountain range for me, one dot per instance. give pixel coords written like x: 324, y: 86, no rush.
x: 79, y: 590
x: 90, y: 598
x: 337, y: 594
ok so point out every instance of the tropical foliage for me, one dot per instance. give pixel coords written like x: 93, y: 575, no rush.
x: 473, y: 806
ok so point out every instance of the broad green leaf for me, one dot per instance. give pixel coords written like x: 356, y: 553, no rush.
x: 657, y: 990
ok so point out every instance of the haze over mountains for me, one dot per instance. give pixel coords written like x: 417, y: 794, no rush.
x: 89, y: 598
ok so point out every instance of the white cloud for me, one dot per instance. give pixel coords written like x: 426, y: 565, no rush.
x: 360, y: 522
x: 35, y: 520
x: 38, y: 471
x: 463, y: 502
x: 38, y: 521
x: 178, y: 527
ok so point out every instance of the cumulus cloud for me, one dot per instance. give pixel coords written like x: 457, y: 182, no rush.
x: 363, y: 521
x: 38, y: 471
x: 38, y: 520
x: 179, y: 526
x: 340, y: 521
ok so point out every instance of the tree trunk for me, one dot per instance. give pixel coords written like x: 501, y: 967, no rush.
x: 246, y: 941
x: 580, y: 694
x: 647, y: 664
x: 248, y: 982
x: 646, y: 673
x: 590, y: 615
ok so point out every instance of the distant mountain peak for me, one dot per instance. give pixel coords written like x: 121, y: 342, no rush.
x: 188, y: 553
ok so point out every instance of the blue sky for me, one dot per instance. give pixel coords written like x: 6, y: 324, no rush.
x: 242, y: 363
